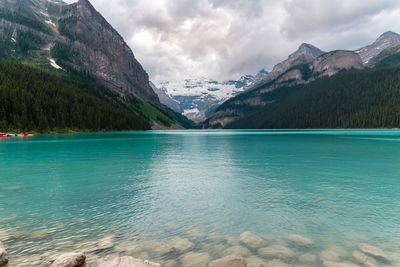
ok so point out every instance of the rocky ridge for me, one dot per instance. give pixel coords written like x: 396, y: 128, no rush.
x: 386, y: 40
x: 298, y: 73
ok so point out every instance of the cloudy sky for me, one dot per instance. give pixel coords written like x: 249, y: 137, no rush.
x: 223, y: 39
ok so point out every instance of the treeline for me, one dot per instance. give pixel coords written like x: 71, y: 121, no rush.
x: 354, y: 99
x: 37, y: 100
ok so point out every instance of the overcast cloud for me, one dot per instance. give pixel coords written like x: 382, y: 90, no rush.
x: 222, y: 39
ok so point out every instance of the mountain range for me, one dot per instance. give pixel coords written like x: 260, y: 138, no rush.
x: 63, y: 67
x: 196, y: 98
x: 300, y: 72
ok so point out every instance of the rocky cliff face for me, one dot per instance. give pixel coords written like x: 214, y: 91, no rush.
x: 386, y: 40
x: 104, y: 52
x: 333, y: 62
x: 82, y: 32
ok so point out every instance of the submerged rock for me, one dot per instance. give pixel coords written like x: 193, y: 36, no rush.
x: 277, y: 252
x: 180, y: 245
x: 339, y: 264
x: 194, y: 234
x: 232, y: 240
x: 237, y: 250
x: 277, y: 263
x: 193, y: 259
x: 308, y: 258
x: 299, y: 240
x: 125, y: 261
x: 333, y: 254
x: 228, y: 261
x: 3, y: 255
x: 171, y: 263
x: 374, y: 252
x: 255, y: 261
x: 69, y: 260
x: 251, y: 240
x: 364, y: 259
x: 106, y: 242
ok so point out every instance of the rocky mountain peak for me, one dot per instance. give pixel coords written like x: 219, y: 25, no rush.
x: 387, y: 40
x: 388, y: 35
x: 85, y: 4
x: 309, y: 49
x: 305, y: 54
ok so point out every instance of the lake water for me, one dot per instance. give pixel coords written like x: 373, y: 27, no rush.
x: 162, y: 195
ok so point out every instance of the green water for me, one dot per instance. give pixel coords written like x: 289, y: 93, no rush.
x: 65, y: 192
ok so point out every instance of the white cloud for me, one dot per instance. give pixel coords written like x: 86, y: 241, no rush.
x: 220, y: 39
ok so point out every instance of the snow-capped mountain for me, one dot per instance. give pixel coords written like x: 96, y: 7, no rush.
x: 195, y: 98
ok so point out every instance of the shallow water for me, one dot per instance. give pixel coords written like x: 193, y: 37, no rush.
x: 65, y: 192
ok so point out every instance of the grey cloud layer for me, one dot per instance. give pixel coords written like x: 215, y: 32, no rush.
x: 179, y: 39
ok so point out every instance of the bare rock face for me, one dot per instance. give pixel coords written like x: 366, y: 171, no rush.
x: 104, y: 52
x: 69, y: 260
x: 3, y: 255
x: 90, y: 38
x: 228, y: 261
x: 333, y: 62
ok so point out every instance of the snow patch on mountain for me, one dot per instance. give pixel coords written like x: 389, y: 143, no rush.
x: 195, y: 98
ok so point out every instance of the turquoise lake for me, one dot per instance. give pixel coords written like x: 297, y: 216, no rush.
x: 337, y: 188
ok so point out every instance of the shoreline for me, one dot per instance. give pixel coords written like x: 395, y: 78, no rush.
x: 193, y: 247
